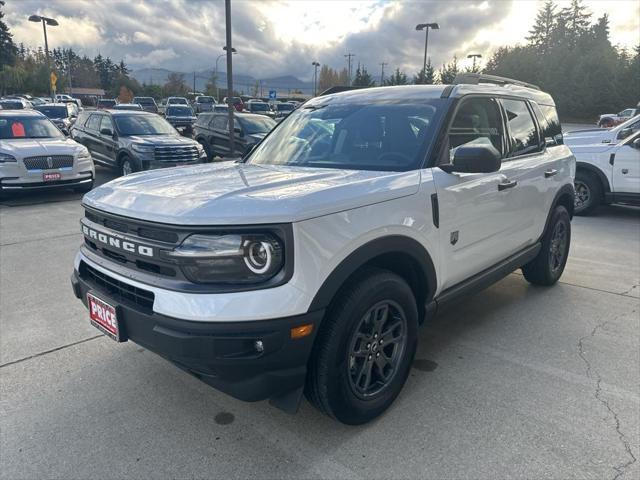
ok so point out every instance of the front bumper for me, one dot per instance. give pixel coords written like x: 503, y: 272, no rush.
x: 37, y: 183
x: 221, y: 354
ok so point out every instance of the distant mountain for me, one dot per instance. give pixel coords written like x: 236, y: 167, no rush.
x: 244, y: 83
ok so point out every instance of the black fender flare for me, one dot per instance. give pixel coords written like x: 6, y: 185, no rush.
x: 606, y: 188
x: 566, y: 190
x: 364, y: 254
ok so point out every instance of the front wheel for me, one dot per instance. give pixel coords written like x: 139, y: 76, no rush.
x: 364, y: 350
x: 128, y: 166
x: 588, y: 193
x: 549, y: 264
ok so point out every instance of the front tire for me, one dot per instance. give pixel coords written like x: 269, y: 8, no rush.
x: 364, y: 350
x: 588, y: 193
x: 549, y: 264
x: 128, y: 166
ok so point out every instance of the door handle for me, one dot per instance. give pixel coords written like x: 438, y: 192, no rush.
x: 550, y: 173
x: 507, y: 184
x: 625, y: 171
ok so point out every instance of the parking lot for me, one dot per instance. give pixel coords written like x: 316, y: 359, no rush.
x: 514, y: 382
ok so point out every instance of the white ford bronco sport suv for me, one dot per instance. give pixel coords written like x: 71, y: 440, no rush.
x: 308, y: 266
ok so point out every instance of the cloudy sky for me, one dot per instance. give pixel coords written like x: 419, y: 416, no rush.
x: 284, y: 37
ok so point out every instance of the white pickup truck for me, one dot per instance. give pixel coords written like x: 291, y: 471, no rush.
x: 308, y: 266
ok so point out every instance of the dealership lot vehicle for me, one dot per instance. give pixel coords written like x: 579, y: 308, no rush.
x: 607, y: 173
x: 259, y: 107
x: 63, y: 115
x: 34, y: 154
x: 283, y: 109
x: 237, y: 103
x: 204, y: 103
x: 15, y: 104
x: 104, y: 103
x: 310, y: 265
x: 134, y: 141
x: 211, y: 130
x: 181, y: 117
x: 128, y: 106
x: 612, y: 119
x: 599, y: 135
x: 148, y: 104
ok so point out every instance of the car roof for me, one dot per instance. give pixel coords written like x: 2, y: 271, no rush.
x: 125, y: 112
x: 27, y: 112
x: 51, y: 104
x: 414, y: 93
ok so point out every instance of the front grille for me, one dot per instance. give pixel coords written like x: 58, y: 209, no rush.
x: 48, y: 162
x: 116, y: 289
x: 176, y: 153
x: 123, y: 226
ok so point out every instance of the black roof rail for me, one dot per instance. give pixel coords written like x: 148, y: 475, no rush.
x: 476, y: 78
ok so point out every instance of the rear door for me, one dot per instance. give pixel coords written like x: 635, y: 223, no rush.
x: 92, y: 137
x: 626, y: 167
x: 108, y: 144
x: 477, y: 227
x: 220, y: 134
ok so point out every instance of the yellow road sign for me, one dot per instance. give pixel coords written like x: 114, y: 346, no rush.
x: 54, y: 79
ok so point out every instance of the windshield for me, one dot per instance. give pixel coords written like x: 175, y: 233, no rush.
x: 204, y: 100
x: 27, y: 127
x: 180, y: 112
x: 143, y: 125
x: 381, y: 136
x: 258, y: 107
x: 144, y: 100
x: 284, y: 107
x: 109, y: 103
x: 178, y: 101
x: 257, y: 125
x: 52, y: 112
x: 9, y: 105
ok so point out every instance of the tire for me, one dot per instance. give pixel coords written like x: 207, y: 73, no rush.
x: 345, y: 361
x: 128, y: 165
x: 588, y: 193
x: 549, y: 264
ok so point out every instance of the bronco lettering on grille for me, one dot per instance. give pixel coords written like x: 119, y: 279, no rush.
x: 121, y: 244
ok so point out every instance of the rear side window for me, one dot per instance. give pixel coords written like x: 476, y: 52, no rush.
x: 477, y: 122
x: 549, y: 123
x: 203, y: 119
x: 522, y: 129
x: 220, y: 122
x: 94, y: 122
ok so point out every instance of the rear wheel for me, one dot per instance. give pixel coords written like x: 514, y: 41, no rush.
x: 364, y: 350
x: 588, y: 193
x: 207, y: 149
x: 549, y: 264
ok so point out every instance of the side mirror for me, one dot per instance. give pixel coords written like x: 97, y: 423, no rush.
x: 248, y: 151
x: 106, y: 131
x: 624, y: 133
x: 239, y: 131
x: 65, y: 131
x: 474, y: 159
x: 636, y: 143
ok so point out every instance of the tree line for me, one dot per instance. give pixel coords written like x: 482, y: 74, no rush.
x: 567, y: 53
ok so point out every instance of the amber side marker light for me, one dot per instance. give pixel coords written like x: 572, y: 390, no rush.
x: 301, y: 331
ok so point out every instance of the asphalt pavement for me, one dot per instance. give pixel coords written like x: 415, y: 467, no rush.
x: 514, y: 382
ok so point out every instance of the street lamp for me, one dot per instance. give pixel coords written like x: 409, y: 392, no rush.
x: 426, y: 27
x: 53, y: 23
x: 474, y: 56
x: 233, y: 50
x: 315, y: 78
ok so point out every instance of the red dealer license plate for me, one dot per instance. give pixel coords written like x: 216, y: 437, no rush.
x: 103, y: 317
x: 51, y: 176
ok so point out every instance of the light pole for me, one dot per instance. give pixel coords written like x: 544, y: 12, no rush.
x: 233, y: 50
x: 382, y: 73
x: 349, y: 56
x: 315, y: 78
x: 426, y: 27
x: 474, y: 56
x: 53, y: 23
x: 229, y: 50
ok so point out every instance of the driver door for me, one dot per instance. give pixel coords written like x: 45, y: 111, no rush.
x: 626, y: 167
x: 475, y: 220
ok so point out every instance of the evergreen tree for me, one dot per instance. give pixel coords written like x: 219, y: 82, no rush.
x: 577, y: 20
x: 397, y: 78
x: 8, y: 49
x: 449, y: 71
x: 425, y: 77
x: 362, y: 78
x: 540, y: 35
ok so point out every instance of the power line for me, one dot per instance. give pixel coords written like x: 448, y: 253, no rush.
x: 349, y: 56
x: 382, y: 73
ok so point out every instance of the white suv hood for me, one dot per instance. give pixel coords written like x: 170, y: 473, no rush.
x: 242, y: 194
x: 27, y: 147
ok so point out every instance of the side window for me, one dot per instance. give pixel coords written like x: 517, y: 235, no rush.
x: 220, y: 122
x: 549, y: 124
x: 106, y: 123
x: 522, y: 129
x: 94, y: 122
x: 477, y: 122
x: 203, y: 119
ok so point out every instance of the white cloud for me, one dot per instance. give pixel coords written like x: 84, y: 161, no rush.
x: 154, y: 57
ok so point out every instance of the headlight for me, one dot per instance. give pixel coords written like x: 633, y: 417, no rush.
x: 142, y: 148
x: 231, y: 258
x: 5, y: 158
x: 83, y: 155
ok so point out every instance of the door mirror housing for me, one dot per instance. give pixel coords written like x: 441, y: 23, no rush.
x: 474, y: 159
x: 107, y: 132
x: 636, y: 143
x: 624, y: 133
